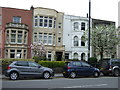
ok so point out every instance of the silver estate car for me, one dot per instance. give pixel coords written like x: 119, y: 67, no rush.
x: 19, y: 69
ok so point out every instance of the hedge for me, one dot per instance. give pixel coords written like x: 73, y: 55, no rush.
x: 52, y: 64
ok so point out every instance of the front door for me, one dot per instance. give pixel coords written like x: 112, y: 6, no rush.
x: 58, y: 56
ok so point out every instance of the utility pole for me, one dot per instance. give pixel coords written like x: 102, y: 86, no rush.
x: 89, y: 29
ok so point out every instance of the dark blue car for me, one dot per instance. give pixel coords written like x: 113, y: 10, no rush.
x: 79, y: 68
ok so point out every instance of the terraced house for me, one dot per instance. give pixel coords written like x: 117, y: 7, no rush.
x: 48, y: 29
x: 15, y: 33
x: 74, y: 40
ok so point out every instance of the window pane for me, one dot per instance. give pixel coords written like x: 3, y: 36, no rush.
x: 19, y: 36
x: 77, y: 64
x: 50, y: 21
x: 59, y: 39
x: 85, y: 64
x: 41, y: 21
x: 45, y: 21
x: 36, y: 22
x: 75, y: 41
x: 13, y: 36
x: 66, y: 55
x: 82, y: 41
x: 31, y: 64
x: 49, y: 56
x: 83, y: 56
x: 35, y: 37
x: 76, y: 26
x: 75, y: 56
x: 16, y: 19
x: 22, y: 63
x: 82, y: 26
x: 7, y: 39
x: 12, y: 53
x: 25, y: 37
x: 54, y: 22
x: 49, y: 39
x: 24, y: 54
x: 40, y: 37
x: 45, y: 39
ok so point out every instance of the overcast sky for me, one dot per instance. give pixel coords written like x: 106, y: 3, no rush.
x: 101, y: 9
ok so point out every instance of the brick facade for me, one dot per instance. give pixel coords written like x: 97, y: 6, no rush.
x: 8, y: 25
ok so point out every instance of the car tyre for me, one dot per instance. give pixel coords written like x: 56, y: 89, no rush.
x: 116, y: 73
x: 72, y: 75
x: 46, y: 75
x: 14, y: 76
x: 65, y: 76
x: 96, y: 74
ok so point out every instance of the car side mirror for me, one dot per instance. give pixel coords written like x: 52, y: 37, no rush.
x: 39, y: 66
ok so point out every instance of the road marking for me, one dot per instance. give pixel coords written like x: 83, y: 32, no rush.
x: 83, y: 86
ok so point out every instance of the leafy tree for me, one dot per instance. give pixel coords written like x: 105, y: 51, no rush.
x: 104, y: 40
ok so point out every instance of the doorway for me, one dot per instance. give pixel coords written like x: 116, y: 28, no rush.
x: 58, y: 56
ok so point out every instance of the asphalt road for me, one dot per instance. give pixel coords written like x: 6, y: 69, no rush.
x: 82, y: 82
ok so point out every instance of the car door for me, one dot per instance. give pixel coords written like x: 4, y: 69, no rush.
x: 35, y: 69
x: 77, y: 68
x: 22, y: 67
x: 86, y: 69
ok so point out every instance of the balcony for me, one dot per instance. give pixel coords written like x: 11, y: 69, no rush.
x: 17, y: 25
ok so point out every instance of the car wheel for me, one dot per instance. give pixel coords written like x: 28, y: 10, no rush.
x: 96, y: 74
x: 116, y: 72
x: 46, y: 75
x: 66, y: 76
x: 72, y: 75
x: 13, y: 75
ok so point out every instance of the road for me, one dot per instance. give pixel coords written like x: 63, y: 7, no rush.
x: 82, y: 82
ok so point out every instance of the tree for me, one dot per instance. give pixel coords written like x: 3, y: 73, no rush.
x: 38, y: 50
x: 104, y: 40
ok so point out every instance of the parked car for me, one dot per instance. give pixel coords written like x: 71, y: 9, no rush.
x: 110, y: 66
x: 79, y: 68
x: 19, y: 69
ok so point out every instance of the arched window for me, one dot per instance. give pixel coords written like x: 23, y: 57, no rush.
x: 75, y: 55
x: 83, y: 56
x: 82, y: 41
x: 76, y: 41
x: 82, y: 26
x: 76, y: 25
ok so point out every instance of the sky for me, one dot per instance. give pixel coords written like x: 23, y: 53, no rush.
x: 100, y: 9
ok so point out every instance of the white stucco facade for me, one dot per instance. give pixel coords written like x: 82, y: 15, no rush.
x: 75, y: 45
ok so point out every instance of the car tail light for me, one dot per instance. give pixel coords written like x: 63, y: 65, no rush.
x: 68, y: 67
x: 8, y: 67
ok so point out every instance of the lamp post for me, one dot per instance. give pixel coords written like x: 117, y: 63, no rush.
x: 89, y: 29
